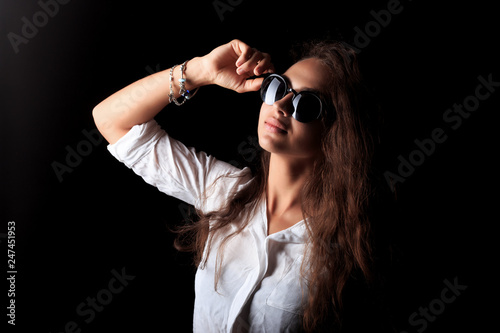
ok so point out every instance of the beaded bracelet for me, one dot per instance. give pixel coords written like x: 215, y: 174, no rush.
x: 182, y: 88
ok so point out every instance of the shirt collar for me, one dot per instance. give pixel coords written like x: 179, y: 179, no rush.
x: 294, y: 234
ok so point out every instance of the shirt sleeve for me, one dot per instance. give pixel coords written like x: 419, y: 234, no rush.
x: 194, y: 177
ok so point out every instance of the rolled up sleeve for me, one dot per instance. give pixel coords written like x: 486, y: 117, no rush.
x: 177, y: 170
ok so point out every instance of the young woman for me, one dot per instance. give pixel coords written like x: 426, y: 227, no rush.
x: 274, y: 249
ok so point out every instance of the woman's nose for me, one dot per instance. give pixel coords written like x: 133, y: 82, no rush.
x: 284, y: 105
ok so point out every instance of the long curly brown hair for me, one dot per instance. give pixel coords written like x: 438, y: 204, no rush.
x: 335, y: 199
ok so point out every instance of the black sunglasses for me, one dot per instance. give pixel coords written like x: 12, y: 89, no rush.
x: 307, y: 106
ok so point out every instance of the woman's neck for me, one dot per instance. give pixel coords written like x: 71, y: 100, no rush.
x: 285, y: 181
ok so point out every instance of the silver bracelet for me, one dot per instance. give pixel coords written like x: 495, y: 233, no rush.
x: 171, y: 96
x: 182, y: 80
x: 182, y: 88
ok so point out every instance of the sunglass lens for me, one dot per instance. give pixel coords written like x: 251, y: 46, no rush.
x: 307, y: 107
x: 272, y: 89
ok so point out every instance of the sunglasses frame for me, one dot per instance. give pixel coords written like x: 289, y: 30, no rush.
x: 294, y: 98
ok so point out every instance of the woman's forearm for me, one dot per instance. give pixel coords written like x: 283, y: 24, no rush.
x: 142, y: 100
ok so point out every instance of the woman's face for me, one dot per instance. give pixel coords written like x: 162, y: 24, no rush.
x: 278, y: 131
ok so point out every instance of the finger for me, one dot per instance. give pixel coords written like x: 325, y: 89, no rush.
x: 249, y: 66
x: 264, y: 66
x: 243, y: 51
x: 250, y: 85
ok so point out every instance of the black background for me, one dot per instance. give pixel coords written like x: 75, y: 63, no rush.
x: 71, y: 234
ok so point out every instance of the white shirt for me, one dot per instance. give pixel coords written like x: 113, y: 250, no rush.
x: 260, y: 289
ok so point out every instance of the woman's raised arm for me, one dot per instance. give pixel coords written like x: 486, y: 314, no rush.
x: 228, y: 66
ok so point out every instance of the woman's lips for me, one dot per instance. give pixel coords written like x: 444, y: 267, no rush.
x: 275, y: 126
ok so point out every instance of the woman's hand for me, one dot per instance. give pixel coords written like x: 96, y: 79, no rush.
x: 230, y: 65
